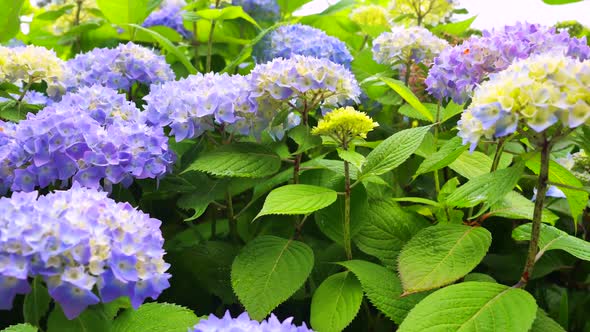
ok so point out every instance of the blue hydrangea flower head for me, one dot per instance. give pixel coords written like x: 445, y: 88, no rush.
x: 199, y: 102
x: 260, y: 10
x: 243, y: 323
x: 169, y: 15
x: 289, y: 40
x: 119, y: 68
x: 79, y: 242
x: 459, y: 69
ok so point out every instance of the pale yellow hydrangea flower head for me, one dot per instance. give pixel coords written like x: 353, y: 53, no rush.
x: 370, y: 15
x: 345, y: 123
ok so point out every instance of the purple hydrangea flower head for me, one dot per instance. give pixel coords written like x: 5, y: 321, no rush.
x: 90, y: 136
x: 169, y: 15
x: 31, y: 97
x: 119, y: 68
x: 539, y: 92
x: 459, y: 69
x: 289, y: 40
x: 304, y: 78
x: 79, y: 241
x: 402, y: 44
x: 260, y: 10
x: 197, y: 103
x: 243, y: 323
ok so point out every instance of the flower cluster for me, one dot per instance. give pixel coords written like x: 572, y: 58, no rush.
x: 243, y: 323
x: 31, y: 97
x: 260, y: 10
x: 195, y: 104
x: 540, y: 92
x: 64, y: 23
x: 299, y: 39
x: 402, y: 44
x: 424, y: 11
x: 457, y: 70
x: 370, y: 16
x: 344, y: 124
x: 169, y: 15
x: 89, y: 136
x: 303, y: 78
x: 22, y: 65
x: 119, y: 68
x: 77, y: 241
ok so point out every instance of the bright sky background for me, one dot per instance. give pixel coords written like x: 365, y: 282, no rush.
x: 496, y: 13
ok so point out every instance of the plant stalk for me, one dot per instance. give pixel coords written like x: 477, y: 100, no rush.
x: 78, y: 43
x: 233, y: 225
x: 347, y: 194
x: 542, y: 186
x: 297, y: 163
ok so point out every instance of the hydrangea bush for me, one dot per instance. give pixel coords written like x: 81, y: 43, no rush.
x: 235, y: 166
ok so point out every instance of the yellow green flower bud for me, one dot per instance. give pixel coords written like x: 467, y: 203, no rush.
x: 344, y: 124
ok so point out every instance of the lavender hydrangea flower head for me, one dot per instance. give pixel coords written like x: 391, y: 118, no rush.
x: 79, y: 241
x: 260, y: 10
x: 289, y: 40
x: 243, y: 323
x: 304, y: 79
x: 119, y: 68
x: 88, y: 138
x: 169, y: 15
x: 402, y: 44
x: 197, y: 103
x: 22, y: 65
x: 458, y: 70
x: 11, y: 155
x: 539, y: 92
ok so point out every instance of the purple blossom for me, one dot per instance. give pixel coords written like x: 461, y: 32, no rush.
x: 243, y: 323
x: 260, y: 10
x: 169, y: 15
x: 74, y: 241
x: 458, y: 70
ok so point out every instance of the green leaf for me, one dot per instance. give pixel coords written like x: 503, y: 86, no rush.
x: 552, y: 238
x: 221, y: 14
x: 354, y: 158
x: 576, y: 199
x: 127, y: 11
x: 20, y: 328
x: 297, y: 199
x: 454, y: 28
x: 448, y: 153
x: 383, y: 288
x: 52, y: 15
x: 155, y: 317
x: 440, y: 255
x: 474, y: 164
x: 479, y: 277
x: 516, y: 206
x: 9, y: 18
x: 544, y: 323
x: 289, y: 6
x: 450, y: 111
x: 304, y: 139
x: 473, y: 306
x: 409, y: 111
x: 336, y: 302
x: 489, y: 188
x: 36, y: 303
x: 408, y: 96
x: 560, y: 2
x: 238, y: 160
x: 268, y: 271
x: 393, y: 151
x: 168, y: 46
x: 93, y: 319
x: 385, y: 229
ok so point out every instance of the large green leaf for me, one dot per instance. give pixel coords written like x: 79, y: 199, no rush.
x: 408, y: 96
x: 560, y: 2
x: 36, y: 303
x: 336, y: 302
x: 93, y: 319
x: 552, y: 238
x: 489, y: 188
x: 20, y: 328
x: 473, y: 307
x: 9, y: 18
x: 385, y: 229
x: 268, y: 271
x: 440, y: 255
x: 473, y: 164
x: 297, y: 199
x: 127, y: 11
x: 238, y: 160
x: 516, y: 206
x: 393, y: 151
x: 576, y: 199
x: 220, y: 14
x: 383, y: 288
x: 289, y: 6
x: 448, y: 153
x: 454, y: 28
x: 544, y: 323
x: 155, y: 317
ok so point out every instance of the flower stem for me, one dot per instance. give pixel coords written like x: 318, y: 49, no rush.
x: 297, y: 163
x: 498, y: 154
x: 537, y: 214
x: 210, y: 41
x: 233, y: 225
x: 78, y: 42
x: 347, y: 194
x: 408, y: 69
